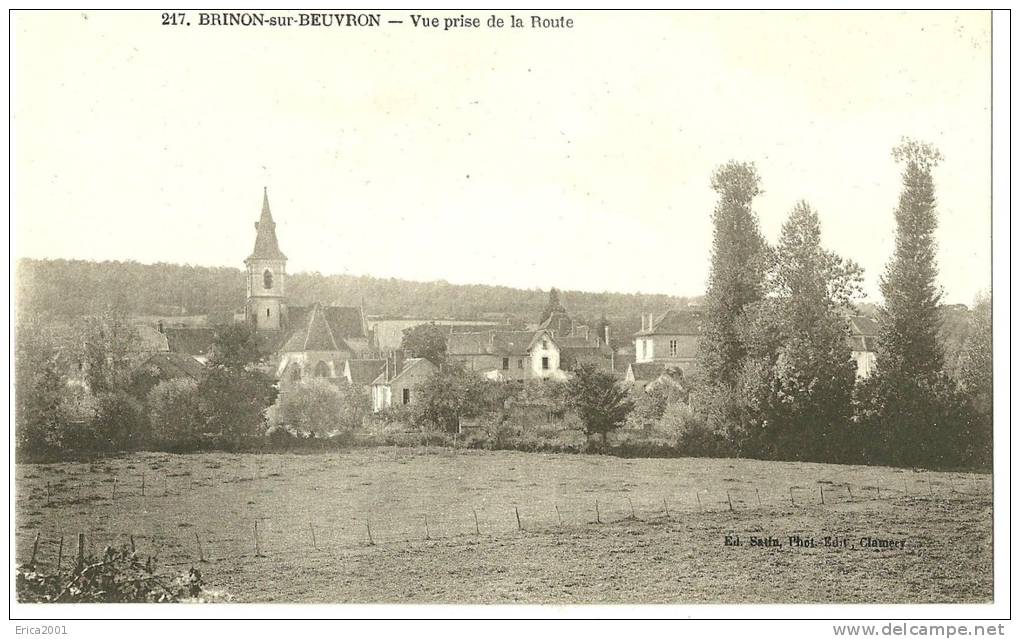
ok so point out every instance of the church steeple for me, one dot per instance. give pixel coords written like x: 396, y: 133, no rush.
x: 266, y: 245
x: 266, y: 307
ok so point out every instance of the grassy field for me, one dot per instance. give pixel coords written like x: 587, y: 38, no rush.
x: 592, y: 529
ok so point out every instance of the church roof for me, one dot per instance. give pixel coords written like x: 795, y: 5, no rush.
x: 319, y: 337
x: 324, y: 328
x: 266, y: 245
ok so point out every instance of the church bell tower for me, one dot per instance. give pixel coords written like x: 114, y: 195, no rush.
x: 266, y: 306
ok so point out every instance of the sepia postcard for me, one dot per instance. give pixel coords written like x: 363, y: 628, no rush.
x: 582, y: 312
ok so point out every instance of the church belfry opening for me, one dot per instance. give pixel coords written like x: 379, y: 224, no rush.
x: 266, y: 267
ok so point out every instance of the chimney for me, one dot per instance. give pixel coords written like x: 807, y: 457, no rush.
x: 643, y: 321
x: 398, y: 362
x: 159, y: 326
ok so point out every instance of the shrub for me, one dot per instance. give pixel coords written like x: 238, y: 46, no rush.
x: 691, y: 432
x: 175, y: 417
x: 314, y: 405
x: 118, y: 576
x: 119, y: 423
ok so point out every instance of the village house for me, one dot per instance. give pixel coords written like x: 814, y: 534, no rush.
x: 507, y: 355
x: 863, y: 344
x: 668, y: 342
x: 399, y: 380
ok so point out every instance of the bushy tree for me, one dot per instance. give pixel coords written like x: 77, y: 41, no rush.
x: 799, y: 349
x: 110, y: 348
x: 39, y: 387
x: 175, y: 417
x: 355, y: 406
x: 600, y: 402
x: 236, y: 390
x: 976, y: 381
x: 313, y: 405
x: 425, y: 340
x: 120, y: 422
x: 448, y: 396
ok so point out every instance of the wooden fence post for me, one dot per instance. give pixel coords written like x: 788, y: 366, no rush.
x: 165, y: 490
x: 758, y: 495
x: 143, y: 484
x: 850, y: 490
x: 311, y: 527
x: 792, y: 502
x: 821, y: 494
x: 49, y: 493
x: 113, y: 492
x: 698, y: 495
x: 518, y: 514
x: 931, y: 491
x: 426, y: 526
x: 35, y: 549
x: 255, y: 534
x: 632, y: 514
x: 81, y: 551
x: 131, y: 538
x: 368, y: 525
x: 729, y: 500
x: 559, y: 518
x: 665, y: 506
x: 878, y: 492
x: 60, y: 553
x: 477, y: 530
x: 598, y: 517
x: 198, y: 542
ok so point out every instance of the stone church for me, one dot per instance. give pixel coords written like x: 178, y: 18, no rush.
x: 300, y: 341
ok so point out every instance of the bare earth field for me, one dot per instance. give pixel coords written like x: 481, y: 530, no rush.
x: 444, y: 526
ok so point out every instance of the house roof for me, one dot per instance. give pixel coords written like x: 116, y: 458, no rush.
x: 365, y: 371
x: 266, y: 245
x: 193, y: 341
x: 675, y: 322
x: 647, y: 371
x: 862, y: 325
x: 495, y: 342
x: 409, y: 365
x: 174, y: 365
x: 863, y: 334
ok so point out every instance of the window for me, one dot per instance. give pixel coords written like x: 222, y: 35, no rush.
x: 545, y: 344
x: 506, y: 363
x: 545, y: 363
x: 321, y: 369
x: 672, y: 348
x: 407, y: 396
x: 267, y: 279
x: 267, y: 312
x: 520, y: 363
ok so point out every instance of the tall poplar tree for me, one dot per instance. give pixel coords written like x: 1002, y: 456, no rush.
x: 915, y: 410
x: 737, y: 277
x: 909, y: 319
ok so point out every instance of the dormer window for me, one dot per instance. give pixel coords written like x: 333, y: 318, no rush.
x: 267, y: 279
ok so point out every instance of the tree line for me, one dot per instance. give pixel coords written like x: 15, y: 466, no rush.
x: 68, y: 289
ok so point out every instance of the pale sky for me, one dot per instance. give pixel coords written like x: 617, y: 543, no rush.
x: 573, y: 158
